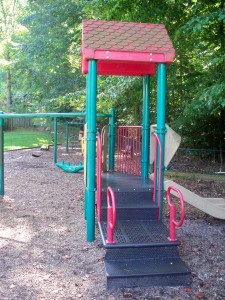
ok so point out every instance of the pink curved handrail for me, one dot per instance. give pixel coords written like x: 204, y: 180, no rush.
x: 111, y: 216
x: 157, y: 143
x: 173, y: 222
x: 99, y: 176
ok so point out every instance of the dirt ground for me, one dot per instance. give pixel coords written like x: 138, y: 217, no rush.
x: 43, y: 250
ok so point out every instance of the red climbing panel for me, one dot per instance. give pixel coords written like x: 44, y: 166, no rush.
x: 125, y: 48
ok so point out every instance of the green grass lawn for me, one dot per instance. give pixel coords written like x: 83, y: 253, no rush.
x: 28, y: 138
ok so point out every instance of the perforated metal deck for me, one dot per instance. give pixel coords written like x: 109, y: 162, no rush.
x: 137, y: 232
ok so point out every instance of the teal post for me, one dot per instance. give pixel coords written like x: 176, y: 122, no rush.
x: 145, y: 127
x: 91, y: 149
x: 86, y: 157
x: 1, y: 155
x: 161, y: 126
x: 55, y: 140
x: 67, y: 137
x: 111, y: 139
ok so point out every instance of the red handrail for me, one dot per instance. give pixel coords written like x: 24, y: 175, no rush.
x: 173, y: 222
x: 99, y: 175
x: 111, y: 216
x: 157, y: 143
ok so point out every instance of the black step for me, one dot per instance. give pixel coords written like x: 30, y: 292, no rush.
x: 132, y: 205
x: 146, y: 272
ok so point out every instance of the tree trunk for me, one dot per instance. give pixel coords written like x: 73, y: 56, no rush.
x: 9, y: 90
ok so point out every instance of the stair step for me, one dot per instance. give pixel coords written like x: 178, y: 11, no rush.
x: 133, y: 213
x: 146, y: 272
x: 135, y: 233
x: 148, y: 252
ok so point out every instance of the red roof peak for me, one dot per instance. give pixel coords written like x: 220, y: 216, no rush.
x: 125, y: 42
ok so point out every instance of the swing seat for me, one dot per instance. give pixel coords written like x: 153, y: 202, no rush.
x: 68, y: 168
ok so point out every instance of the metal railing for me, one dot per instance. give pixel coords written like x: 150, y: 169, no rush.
x: 157, y: 173
x: 111, y: 216
x: 99, y: 175
x: 173, y: 222
x: 128, y: 154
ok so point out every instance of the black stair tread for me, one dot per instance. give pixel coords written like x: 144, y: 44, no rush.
x: 125, y: 182
x: 130, y: 233
x: 145, y: 267
x: 131, y: 202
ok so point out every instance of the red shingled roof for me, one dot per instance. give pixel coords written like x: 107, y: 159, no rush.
x: 125, y: 48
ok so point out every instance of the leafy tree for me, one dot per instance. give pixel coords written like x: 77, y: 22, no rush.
x: 10, y: 10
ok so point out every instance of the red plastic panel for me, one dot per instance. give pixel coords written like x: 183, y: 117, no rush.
x: 122, y: 68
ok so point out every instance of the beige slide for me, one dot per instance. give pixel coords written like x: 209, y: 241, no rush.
x: 215, y: 207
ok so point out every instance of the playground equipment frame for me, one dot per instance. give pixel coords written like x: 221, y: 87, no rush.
x: 42, y: 115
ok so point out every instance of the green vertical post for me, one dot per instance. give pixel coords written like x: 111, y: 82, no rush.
x: 67, y: 137
x: 91, y: 149
x: 145, y: 127
x: 86, y: 157
x: 55, y: 140
x: 161, y: 124
x: 112, y: 126
x: 2, y: 156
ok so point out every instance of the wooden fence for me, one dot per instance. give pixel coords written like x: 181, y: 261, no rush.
x: 18, y: 122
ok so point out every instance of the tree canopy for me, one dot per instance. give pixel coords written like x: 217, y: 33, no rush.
x: 40, y: 44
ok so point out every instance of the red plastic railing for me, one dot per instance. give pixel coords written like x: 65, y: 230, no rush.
x: 111, y: 216
x: 128, y: 158
x: 173, y: 222
x: 157, y: 173
x: 99, y: 175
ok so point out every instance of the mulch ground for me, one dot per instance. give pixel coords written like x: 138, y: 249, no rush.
x: 43, y: 250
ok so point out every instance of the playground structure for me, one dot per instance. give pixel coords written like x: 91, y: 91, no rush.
x: 64, y: 166
x: 140, y: 251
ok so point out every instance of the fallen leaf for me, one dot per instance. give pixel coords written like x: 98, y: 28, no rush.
x: 199, y: 295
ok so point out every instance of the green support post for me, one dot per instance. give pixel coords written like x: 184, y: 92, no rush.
x: 67, y: 137
x: 91, y: 149
x: 112, y: 126
x: 161, y: 124
x: 86, y: 157
x: 55, y: 140
x: 145, y: 127
x: 1, y: 155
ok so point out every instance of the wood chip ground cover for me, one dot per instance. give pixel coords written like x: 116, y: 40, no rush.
x: 43, y: 250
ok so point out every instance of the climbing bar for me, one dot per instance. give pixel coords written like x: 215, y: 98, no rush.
x: 173, y: 222
x: 111, y: 216
x: 99, y: 175
x: 50, y: 115
x: 42, y: 115
x: 157, y: 172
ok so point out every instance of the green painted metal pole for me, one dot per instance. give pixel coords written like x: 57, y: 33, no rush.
x: 91, y: 150
x: 43, y: 115
x: 145, y: 127
x: 112, y: 126
x: 2, y: 156
x: 161, y: 124
x: 55, y: 140
x: 67, y: 137
x: 86, y: 157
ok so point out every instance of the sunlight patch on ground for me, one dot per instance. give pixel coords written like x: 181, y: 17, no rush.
x: 19, y: 234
